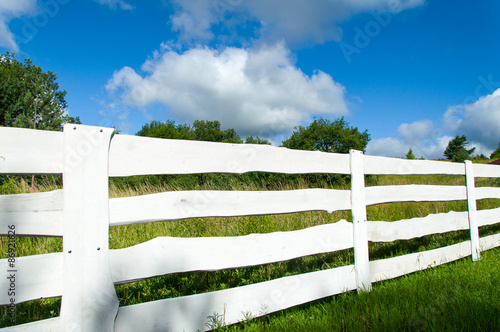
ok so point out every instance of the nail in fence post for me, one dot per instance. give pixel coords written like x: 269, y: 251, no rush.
x: 359, y: 220
x: 89, y: 301
x: 472, y: 209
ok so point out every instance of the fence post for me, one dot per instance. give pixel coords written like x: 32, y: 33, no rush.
x: 360, y: 232
x: 89, y: 301
x: 472, y: 209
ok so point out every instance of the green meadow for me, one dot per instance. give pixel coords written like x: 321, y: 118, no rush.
x: 462, y: 295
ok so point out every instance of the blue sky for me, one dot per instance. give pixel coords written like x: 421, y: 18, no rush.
x: 414, y: 73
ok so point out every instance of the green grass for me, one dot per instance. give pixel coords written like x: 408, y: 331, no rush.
x: 427, y: 300
x: 459, y: 296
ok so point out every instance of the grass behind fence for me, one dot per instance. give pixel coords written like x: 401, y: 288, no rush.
x: 337, y: 313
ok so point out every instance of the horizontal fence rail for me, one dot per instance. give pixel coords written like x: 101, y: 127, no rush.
x: 195, y: 204
x: 131, y: 155
x: 85, y: 273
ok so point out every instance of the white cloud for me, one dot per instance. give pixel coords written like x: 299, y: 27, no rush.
x: 421, y: 136
x: 388, y: 147
x: 478, y: 121
x: 8, y: 11
x: 295, y: 21
x: 115, y: 4
x: 195, y: 19
x: 255, y: 91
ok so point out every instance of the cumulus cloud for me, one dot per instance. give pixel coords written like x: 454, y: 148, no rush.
x: 256, y: 91
x: 295, y: 21
x: 8, y: 11
x: 478, y: 121
x: 422, y: 137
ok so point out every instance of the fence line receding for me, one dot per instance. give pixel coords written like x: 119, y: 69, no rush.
x: 86, y: 271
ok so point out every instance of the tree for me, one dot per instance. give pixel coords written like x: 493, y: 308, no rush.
x: 327, y: 136
x: 200, y: 131
x: 410, y: 155
x: 210, y: 131
x: 30, y: 97
x: 456, y: 151
x: 256, y: 140
x: 496, y: 153
x: 167, y: 129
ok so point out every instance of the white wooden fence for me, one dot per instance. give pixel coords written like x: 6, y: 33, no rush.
x: 85, y: 273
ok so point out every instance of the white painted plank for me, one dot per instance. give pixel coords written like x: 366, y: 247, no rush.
x: 189, y: 313
x: 488, y: 217
x: 381, y: 231
x: 32, y: 223
x: 46, y: 201
x: 397, y: 266
x: 33, y: 214
x: 487, y: 192
x: 472, y: 210
x: 359, y: 220
x: 489, y: 242
x: 46, y: 325
x: 486, y: 171
x: 35, y: 277
x: 192, y: 204
x: 385, y: 165
x: 28, y: 151
x: 132, y: 155
x: 414, y: 193
x: 166, y: 255
x: 89, y: 301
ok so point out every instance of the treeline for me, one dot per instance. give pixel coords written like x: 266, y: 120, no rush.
x: 321, y: 135
x: 201, y: 130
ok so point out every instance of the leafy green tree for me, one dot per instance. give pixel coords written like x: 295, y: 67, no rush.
x: 167, y: 129
x: 327, y: 136
x: 210, y: 131
x: 256, y: 140
x: 496, y: 153
x: 30, y: 97
x: 456, y: 150
x: 200, y: 131
x: 410, y: 155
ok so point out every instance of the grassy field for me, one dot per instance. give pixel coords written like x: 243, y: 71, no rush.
x: 459, y: 296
